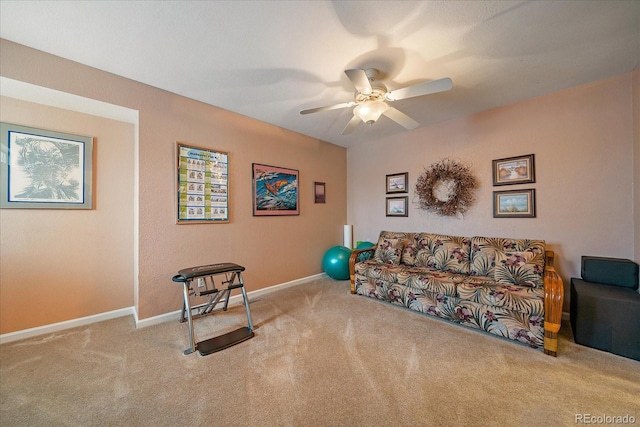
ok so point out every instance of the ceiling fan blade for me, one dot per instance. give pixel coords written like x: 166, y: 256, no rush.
x: 360, y: 80
x: 329, y: 107
x: 420, y: 89
x: 355, y: 120
x: 401, y: 118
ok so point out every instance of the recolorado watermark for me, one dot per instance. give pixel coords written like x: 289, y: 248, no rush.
x: 605, y: 419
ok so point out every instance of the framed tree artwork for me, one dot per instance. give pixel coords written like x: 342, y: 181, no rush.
x: 44, y: 169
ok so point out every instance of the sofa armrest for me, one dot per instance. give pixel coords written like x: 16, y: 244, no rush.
x: 357, y: 256
x: 553, y: 301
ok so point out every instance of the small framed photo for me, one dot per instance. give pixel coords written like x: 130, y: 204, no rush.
x: 398, y: 206
x: 514, y: 204
x: 514, y: 170
x: 397, y: 182
x: 319, y: 192
x: 44, y: 169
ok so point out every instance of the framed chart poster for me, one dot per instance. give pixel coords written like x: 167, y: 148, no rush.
x: 203, y: 185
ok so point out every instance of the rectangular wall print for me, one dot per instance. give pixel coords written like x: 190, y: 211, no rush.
x: 43, y: 169
x: 398, y: 206
x: 319, y: 192
x: 514, y: 170
x: 514, y: 204
x: 275, y: 191
x: 203, y: 185
x: 397, y: 183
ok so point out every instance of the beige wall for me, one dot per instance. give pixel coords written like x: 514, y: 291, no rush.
x: 58, y: 265
x: 636, y: 161
x: 273, y: 249
x: 582, y: 139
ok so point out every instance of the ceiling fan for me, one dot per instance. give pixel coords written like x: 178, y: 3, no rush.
x: 371, y: 99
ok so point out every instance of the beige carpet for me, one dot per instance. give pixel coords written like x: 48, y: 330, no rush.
x: 320, y: 357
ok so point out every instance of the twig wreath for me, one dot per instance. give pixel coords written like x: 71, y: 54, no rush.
x: 457, y: 182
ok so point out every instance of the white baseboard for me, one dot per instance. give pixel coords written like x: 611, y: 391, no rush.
x: 175, y: 315
x: 252, y: 295
x: 68, y: 324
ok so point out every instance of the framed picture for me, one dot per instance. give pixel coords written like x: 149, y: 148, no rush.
x: 398, y: 206
x: 319, y: 192
x: 43, y: 169
x: 275, y: 191
x: 397, y: 183
x: 202, y: 185
x: 514, y: 170
x: 514, y: 204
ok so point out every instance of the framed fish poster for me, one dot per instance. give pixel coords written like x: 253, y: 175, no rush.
x: 275, y: 191
x: 202, y: 185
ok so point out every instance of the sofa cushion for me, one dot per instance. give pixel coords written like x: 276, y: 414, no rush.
x: 411, y: 276
x: 517, y: 298
x: 485, y: 251
x: 410, y: 249
x: 500, y: 321
x: 441, y: 252
x: 519, y: 268
x: 483, y: 290
x: 389, y: 250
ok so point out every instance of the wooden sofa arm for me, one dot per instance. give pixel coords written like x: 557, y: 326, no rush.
x: 358, y: 255
x: 553, y: 301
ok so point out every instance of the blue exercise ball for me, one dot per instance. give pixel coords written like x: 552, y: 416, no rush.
x: 335, y: 262
x: 365, y: 245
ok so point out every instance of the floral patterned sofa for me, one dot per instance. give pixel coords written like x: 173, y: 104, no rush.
x: 507, y: 287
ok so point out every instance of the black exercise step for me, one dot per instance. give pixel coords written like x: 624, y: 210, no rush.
x: 221, y: 342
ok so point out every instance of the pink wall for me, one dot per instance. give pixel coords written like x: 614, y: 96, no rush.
x: 58, y: 265
x: 582, y: 139
x: 273, y: 250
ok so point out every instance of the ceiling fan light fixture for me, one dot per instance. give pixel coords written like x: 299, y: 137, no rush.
x: 370, y: 111
x: 370, y: 99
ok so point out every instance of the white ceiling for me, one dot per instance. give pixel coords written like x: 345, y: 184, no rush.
x: 270, y: 59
